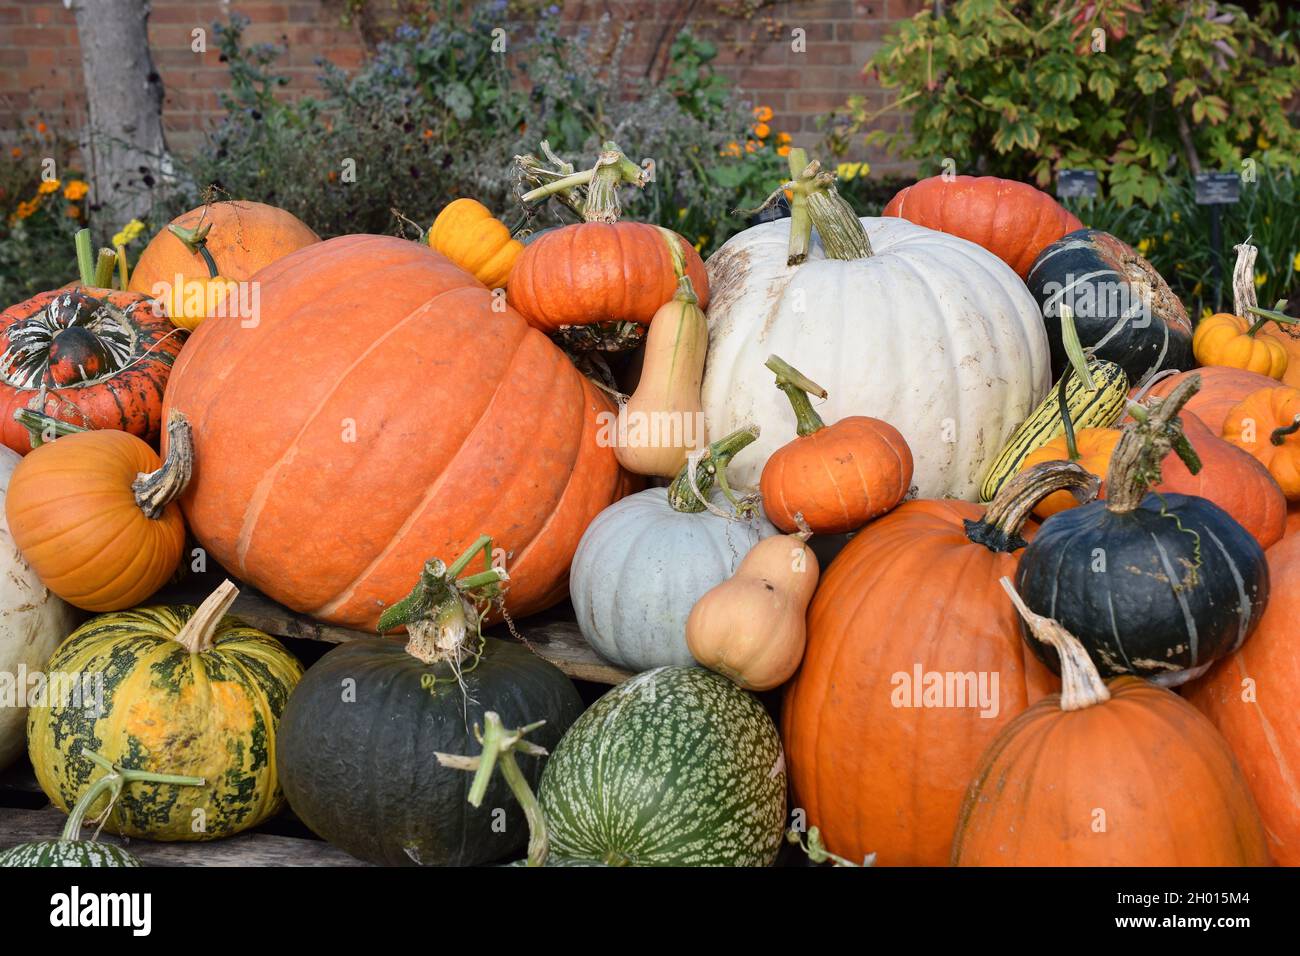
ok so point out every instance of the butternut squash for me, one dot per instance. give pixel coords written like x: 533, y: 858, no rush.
x: 663, y: 420
x: 751, y: 627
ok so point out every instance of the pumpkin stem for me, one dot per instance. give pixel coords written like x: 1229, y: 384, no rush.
x: 155, y: 490
x: 499, y: 748
x: 1135, y: 464
x: 44, y: 428
x: 1269, y: 315
x: 685, y: 288
x: 688, y: 491
x: 112, y: 783
x: 796, y: 387
x: 85, y: 262
x: 104, y: 268
x: 817, y: 204
x: 1243, y: 279
x: 999, y: 529
x: 196, y: 240
x: 200, y: 630
x: 603, y: 182
x: 816, y: 850
x: 1081, y: 685
x: 1279, y: 435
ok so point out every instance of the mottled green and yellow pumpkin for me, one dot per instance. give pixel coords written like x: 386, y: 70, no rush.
x: 175, y: 689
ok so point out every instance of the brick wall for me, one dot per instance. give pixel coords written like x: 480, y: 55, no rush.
x: 40, y: 68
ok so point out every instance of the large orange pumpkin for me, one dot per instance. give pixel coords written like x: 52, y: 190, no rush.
x: 877, y: 765
x: 1250, y: 697
x: 96, y: 358
x: 1010, y: 219
x: 1118, y: 774
x: 1221, y: 388
x: 382, y: 412
x: 243, y: 238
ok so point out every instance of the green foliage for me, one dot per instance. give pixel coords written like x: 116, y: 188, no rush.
x: 1021, y: 89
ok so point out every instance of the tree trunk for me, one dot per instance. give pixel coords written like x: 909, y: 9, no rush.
x: 123, y: 144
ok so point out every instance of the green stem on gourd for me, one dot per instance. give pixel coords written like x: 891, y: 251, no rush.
x: 104, y: 267
x: 113, y: 782
x: 815, y: 849
x: 1067, y: 423
x: 797, y: 386
x: 44, y: 428
x: 1279, y: 435
x: 815, y: 203
x: 1275, y: 315
x: 999, y: 529
x: 85, y: 260
x: 499, y: 748
x: 686, y: 291
x: 709, y: 466
x: 603, y: 181
x: 200, y: 631
x: 155, y: 490
x: 1081, y: 685
x: 123, y: 271
x: 1135, y: 464
x: 196, y: 240
x: 1074, y: 349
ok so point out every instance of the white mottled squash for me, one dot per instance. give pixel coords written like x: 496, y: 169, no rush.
x: 646, y: 559
x: 922, y: 329
x: 33, y: 622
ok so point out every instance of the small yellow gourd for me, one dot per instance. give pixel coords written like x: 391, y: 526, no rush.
x: 751, y: 627
x: 468, y: 234
x: 663, y: 418
x: 189, y: 301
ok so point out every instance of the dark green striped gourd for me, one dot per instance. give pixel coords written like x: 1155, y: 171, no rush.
x: 66, y: 853
x: 675, y: 767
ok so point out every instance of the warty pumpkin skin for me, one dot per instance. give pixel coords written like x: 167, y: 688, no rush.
x: 1264, y: 424
x: 468, y: 234
x: 1221, y: 389
x: 914, y: 590
x: 1010, y: 219
x: 244, y: 237
x: 493, y: 427
x: 92, y: 357
x: 1250, y: 698
x: 185, y: 690
x: 1118, y: 774
x: 94, y: 514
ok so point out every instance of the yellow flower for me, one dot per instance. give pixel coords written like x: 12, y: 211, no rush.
x: 1295, y: 263
x: 75, y: 190
x: 681, y: 213
x: 1261, y: 141
x: 1177, y: 217
x: 763, y: 114
x: 1260, y: 279
x: 762, y: 130
x: 128, y: 233
x: 1196, y: 289
x: 48, y: 186
x: 699, y: 243
x: 1145, y: 246
x: 1167, y: 235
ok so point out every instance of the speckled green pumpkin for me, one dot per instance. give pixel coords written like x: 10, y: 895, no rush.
x: 675, y: 767
x: 66, y: 853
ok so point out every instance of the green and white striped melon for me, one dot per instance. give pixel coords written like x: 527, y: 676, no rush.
x: 66, y: 853
x: 675, y: 767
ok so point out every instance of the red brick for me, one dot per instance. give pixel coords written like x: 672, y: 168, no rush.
x: 13, y: 57
x: 818, y: 101
x: 42, y: 36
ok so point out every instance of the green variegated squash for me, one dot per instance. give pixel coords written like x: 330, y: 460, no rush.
x: 66, y: 853
x: 675, y: 767
x: 174, y: 689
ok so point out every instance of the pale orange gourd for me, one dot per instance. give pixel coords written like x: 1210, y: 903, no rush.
x: 752, y: 627
x: 471, y: 237
x: 94, y: 514
x: 664, y: 418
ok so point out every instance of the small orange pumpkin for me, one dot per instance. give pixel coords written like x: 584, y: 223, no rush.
x: 1225, y: 339
x: 470, y: 236
x: 1265, y: 424
x: 1091, y: 452
x: 94, y: 514
x: 837, y: 476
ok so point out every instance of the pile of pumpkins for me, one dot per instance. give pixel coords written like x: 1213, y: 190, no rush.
x: 937, y: 485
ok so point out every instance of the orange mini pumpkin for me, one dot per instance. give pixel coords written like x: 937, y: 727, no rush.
x: 1091, y: 450
x: 470, y: 236
x: 1265, y: 424
x: 1225, y: 339
x: 94, y: 514
x: 837, y: 476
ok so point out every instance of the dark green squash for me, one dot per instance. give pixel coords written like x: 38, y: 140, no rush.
x: 1155, y: 585
x: 357, y: 743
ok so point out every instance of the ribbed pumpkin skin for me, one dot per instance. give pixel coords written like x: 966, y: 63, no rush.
x: 1222, y: 339
x: 1221, y: 389
x: 675, y: 767
x: 1163, y: 777
x: 839, y: 477
x: 468, y: 234
x: 211, y: 715
x: 362, y: 772
x: 1095, y: 446
x: 600, y: 272
x: 82, y: 853
x: 245, y: 237
x: 1092, y: 271
x: 1184, y: 584
x: 1010, y: 219
x: 640, y: 568
x: 107, y: 375
x: 1264, y: 731
x: 1250, y: 426
x: 909, y: 588
x: 467, y: 422
x: 71, y: 510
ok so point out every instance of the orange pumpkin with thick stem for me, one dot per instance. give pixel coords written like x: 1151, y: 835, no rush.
x: 94, y: 513
x: 1221, y: 389
x: 1164, y: 778
x: 243, y: 237
x: 1010, y: 219
x: 1250, y: 697
x: 914, y: 593
x: 425, y: 418
x: 839, y: 476
x: 1267, y: 425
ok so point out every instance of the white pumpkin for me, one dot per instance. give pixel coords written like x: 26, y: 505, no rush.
x: 33, y: 622
x: 931, y: 333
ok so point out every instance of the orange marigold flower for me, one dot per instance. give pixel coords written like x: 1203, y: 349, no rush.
x: 750, y: 146
x: 76, y: 189
x: 783, y: 151
x: 48, y: 186
x: 783, y: 138
x: 73, y: 212
x: 427, y: 134
x: 40, y: 127
x: 27, y: 207
x: 763, y: 113
x: 15, y: 152
x: 762, y: 130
